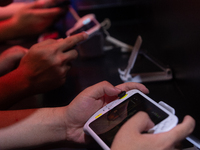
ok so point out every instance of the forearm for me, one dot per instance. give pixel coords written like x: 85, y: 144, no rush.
x: 28, y: 128
x: 8, y: 30
x: 14, y: 86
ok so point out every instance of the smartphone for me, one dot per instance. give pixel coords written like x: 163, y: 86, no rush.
x: 87, y: 23
x: 106, y: 122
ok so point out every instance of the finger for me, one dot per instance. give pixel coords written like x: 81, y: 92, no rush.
x: 69, y: 56
x: 44, y: 4
x: 139, y: 123
x: 133, y: 85
x: 64, y: 70
x: 101, y: 89
x: 39, y: 10
x: 36, y: 4
x: 181, y: 131
x: 49, y: 14
x: 60, y: 39
x: 71, y: 41
x: 46, y: 42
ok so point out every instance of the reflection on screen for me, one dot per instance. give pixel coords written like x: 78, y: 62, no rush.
x: 107, y: 125
x: 84, y: 27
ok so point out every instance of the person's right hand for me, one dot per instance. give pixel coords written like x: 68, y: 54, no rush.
x: 130, y: 136
x: 46, y: 64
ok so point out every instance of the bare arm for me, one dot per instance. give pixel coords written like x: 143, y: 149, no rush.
x: 34, y: 127
x: 14, y: 86
x: 25, y: 128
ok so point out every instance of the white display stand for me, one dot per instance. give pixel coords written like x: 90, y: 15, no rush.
x: 126, y: 76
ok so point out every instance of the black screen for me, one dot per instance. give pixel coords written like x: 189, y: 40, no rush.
x: 107, y: 125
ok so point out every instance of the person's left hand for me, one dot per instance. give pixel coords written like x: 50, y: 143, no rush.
x: 34, y: 19
x: 88, y: 102
x: 10, y: 58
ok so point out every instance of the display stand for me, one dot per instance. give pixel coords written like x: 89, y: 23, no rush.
x: 126, y: 76
x: 91, y: 25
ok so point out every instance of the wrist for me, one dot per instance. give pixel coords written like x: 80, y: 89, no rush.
x: 74, y: 128
x: 14, y: 86
x: 53, y: 124
x: 8, y: 29
x: 15, y: 28
x: 35, y: 127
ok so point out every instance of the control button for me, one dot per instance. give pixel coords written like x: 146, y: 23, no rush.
x: 109, y: 105
x: 122, y: 94
x: 98, y: 116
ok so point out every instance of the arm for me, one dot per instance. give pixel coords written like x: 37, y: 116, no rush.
x: 34, y: 127
x: 40, y: 126
x: 43, y: 68
x: 141, y: 121
x: 32, y: 19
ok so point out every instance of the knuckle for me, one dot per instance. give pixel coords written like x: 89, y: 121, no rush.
x: 105, y: 82
x: 73, y: 54
x: 50, y: 40
x: 70, y: 41
x: 143, y: 114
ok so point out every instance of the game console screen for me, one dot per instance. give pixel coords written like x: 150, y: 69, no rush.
x: 107, y: 125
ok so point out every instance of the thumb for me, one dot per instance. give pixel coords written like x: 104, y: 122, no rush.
x: 182, y: 130
x: 141, y: 122
x: 132, y: 129
x: 137, y: 124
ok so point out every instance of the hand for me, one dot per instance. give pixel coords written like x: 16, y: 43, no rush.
x: 130, y: 135
x: 88, y: 102
x: 46, y: 64
x: 48, y: 125
x: 10, y: 59
x: 33, y: 18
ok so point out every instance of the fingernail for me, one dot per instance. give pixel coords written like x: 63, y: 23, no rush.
x: 85, y: 35
x: 119, y: 90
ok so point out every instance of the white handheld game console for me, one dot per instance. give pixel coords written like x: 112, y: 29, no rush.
x: 105, y: 123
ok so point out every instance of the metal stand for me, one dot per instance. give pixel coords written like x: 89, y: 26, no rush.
x: 125, y: 75
x: 164, y: 74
